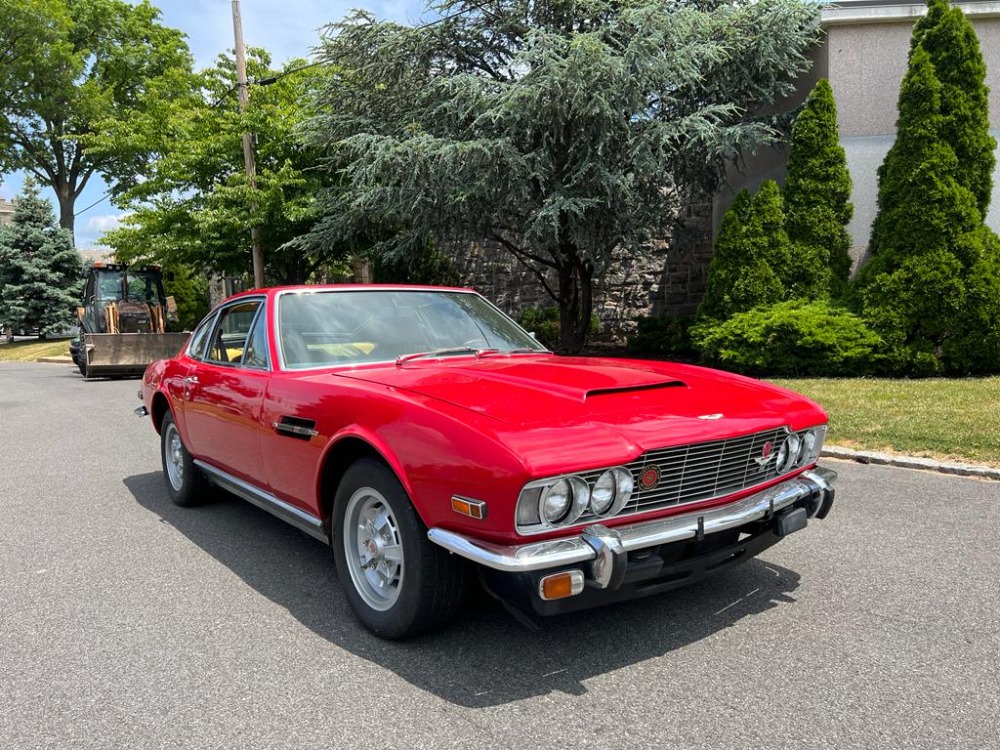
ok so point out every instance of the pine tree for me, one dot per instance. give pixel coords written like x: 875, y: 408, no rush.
x: 40, y: 270
x: 817, y: 199
x: 951, y: 42
x: 752, y: 263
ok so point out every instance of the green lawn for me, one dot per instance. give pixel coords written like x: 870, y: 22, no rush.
x: 956, y: 420
x: 29, y: 351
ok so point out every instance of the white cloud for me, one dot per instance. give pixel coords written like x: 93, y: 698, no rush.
x: 90, y: 231
x: 101, y: 224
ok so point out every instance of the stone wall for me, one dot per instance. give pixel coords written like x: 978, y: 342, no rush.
x: 668, y: 276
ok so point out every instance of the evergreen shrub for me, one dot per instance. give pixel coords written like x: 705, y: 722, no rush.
x: 661, y: 336
x: 797, y: 338
x: 817, y: 196
x: 752, y: 264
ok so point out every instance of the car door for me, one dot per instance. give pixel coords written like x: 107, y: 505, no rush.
x: 224, y: 392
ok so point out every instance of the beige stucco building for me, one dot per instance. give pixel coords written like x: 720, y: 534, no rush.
x: 6, y: 211
x: 864, y: 56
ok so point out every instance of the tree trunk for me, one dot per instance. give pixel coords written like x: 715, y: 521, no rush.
x: 576, y: 302
x: 67, y: 203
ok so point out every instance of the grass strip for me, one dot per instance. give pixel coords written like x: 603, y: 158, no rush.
x: 29, y: 351
x: 948, y: 419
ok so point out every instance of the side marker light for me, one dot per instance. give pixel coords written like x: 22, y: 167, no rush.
x: 561, y: 585
x: 466, y: 507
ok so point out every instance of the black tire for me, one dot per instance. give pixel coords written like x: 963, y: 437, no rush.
x: 424, y: 590
x: 185, y: 482
x: 82, y: 368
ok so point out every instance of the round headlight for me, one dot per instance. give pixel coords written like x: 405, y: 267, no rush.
x: 555, y: 502
x: 603, y: 496
x: 611, y: 491
x: 809, y: 445
x: 624, y: 484
x: 564, y: 501
x: 791, y: 448
x: 782, y: 458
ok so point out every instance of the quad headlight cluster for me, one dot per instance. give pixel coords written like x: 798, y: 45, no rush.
x: 800, y: 449
x: 561, y: 501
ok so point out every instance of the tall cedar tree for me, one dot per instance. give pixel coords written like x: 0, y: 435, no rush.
x: 934, y: 266
x: 753, y: 257
x: 557, y: 130
x: 817, y: 199
x: 40, y: 270
x: 951, y: 41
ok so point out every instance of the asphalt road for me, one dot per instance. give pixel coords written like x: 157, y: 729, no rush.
x: 126, y: 622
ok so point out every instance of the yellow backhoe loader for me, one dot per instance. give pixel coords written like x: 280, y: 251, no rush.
x: 126, y: 321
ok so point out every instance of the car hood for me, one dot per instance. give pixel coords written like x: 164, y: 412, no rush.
x: 626, y: 406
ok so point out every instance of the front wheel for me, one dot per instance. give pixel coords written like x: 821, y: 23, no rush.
x: 185, y: 482
x: 397, y: 582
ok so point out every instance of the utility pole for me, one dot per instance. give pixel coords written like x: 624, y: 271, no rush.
x: 248, y: 146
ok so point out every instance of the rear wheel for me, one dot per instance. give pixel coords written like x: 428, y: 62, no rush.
x: 185, y: 482
x: 397, y: 582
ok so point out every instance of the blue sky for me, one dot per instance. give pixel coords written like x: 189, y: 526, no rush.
x: 286, y: 28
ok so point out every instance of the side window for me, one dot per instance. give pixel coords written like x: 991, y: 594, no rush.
x: 255, y: 355
x: 199, y: 339
x: 229, y: 339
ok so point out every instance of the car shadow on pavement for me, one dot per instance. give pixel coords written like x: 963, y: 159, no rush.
x: 486, y: 657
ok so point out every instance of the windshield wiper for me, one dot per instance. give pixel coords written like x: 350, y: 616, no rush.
x: 444, y: 353
x: 505, y: 352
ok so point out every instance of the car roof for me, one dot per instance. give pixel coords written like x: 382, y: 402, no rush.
x: 271, y: 291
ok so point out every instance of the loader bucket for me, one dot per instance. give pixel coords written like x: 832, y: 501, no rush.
x: 125, y: 354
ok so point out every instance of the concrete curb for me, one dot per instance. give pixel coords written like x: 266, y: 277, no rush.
x: 56, y: 360
x: 911, y: 462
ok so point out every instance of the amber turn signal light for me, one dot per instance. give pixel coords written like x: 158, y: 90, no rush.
x: 561, y: 585
x: 471, y: 508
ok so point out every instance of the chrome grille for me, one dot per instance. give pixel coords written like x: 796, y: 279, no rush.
x: 700, y: 471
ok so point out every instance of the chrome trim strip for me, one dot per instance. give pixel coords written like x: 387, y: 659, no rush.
x: 266, y: 501
x: 524, y: 558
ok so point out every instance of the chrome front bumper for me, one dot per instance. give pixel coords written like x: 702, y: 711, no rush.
x: 602, y: 546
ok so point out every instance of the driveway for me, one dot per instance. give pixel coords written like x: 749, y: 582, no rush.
x: 126, y: 622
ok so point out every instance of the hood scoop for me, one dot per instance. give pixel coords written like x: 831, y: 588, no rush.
x: 634, y: 388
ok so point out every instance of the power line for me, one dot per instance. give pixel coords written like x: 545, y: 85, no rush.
x: 269, y: 80
x: 95, y: 203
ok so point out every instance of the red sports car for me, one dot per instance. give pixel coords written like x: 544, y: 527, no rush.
x: 422, y: 433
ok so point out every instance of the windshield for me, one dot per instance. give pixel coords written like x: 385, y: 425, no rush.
x: 143, y: 286
x: 317, y: 329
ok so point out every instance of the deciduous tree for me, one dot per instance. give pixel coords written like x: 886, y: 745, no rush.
x: 85, y: 64
x: 195, y: 206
